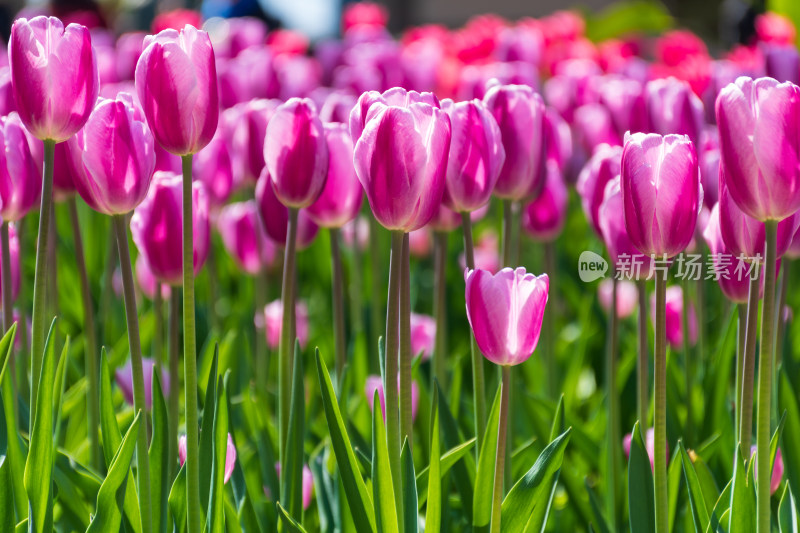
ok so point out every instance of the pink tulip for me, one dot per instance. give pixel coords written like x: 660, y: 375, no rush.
x: 146, y: 280
x: 20, y: 173
x: 420, y: 242
x: 236, y: 81
x: 487, y: 256
x: 308, y: 485
x: 625, y: 257
x: 176, y: 80
x: 336, y: 108
x: 674, y: 317
x: 558, y: 138
x: 602, y: 167
x: 275, y: 216
x: 214, y: 169
x: 709, y: 177
x: 244, y: 237
x: 423, y: 335
x: 16, y: 267
x: 230, y: 455
x: 7, y: 103
x: 661, y: 192
x: 65, y: 166
x: 116, y: 151
x: 793, y: 252
x: 519, y: 113
x: 544, y: 217
x: 273, y: 320
x: 296, y: 153
x: 129, y: 48
x: 777, y: 469
x: 505, y: 311
x: 672, y: 107
x: 594, y: 126
x: 374, y: 383
x: 627, y: 297
x: 360, y: 14
x: 356, y: 233
x: 156, y: 227
x: 624, y: 99
x: 775, y: 28
x: 397, y: 97
x: 54, y: 76
x: 759, y: 146
x: 341, y: 197
x: 476, y: 155
x: 249, y: 137
x: 124, y: 379
x: 649, y: 444
x: 445, y: 220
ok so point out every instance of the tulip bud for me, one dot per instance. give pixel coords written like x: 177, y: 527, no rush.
x: 544, y: 217
x: 423, y: 335
x: 476, y: 155
x: 20, y: 174
x: 558, y: 138
x: 273, y: 320
x: 396, y: 97
x: 627, y: 297
x: 505, y: 312
x: 709, y: 177
x: 777, y: 469
x: 230, y: 455
x: 176, y: 79
x: 214, y: 169
x: 602, y: 167
x: 244, y: 237
x: 54, y: 76
x: 674, y: 317
x: 661, y: 192
x: 374, y: 383
x: 124, y: 379
x: 672, y: 107
x: 156, y: 227
x: 594, y: 126
x: 275, y: 216
x: 624, y: 99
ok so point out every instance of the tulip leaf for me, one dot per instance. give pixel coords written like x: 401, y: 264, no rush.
x: 292, y: 472
x: 484, y: 477
x: 111, y: 496
x: 534, y: 487
x: 697, y: 502
x: 358, y: 498
x: 720, y: 508
x: 382, y: 486
x: 641, y: 491
x: 433, y: 513
x: 461, y: 471
x: 16, y: 452
x: 206, y: 446
x: 410, y: 504
x: 600, y: 523
x: 743, y: 499
x: 215, y: 518
x: 540, y: 512
x: 7, y: 511
x: 448, y: 459
x: 159, y: 458
x: 787, y: 512
x: 291, y: 525
x: 6, y: 348
x: 177, y: 501
x: 787, y: 402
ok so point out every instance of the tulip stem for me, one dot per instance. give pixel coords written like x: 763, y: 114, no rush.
x: 780, y: 327
x: 406, y: 421
x: 355, y: 287
x: 390, y: 374
x: 213, y: 284
x: 748, y: 366
x: 440, y: 308
x: 508, y: 229
x: 687, y: 361
x: 89, y: 338
x: 499, y: 469
x: 286, y: 347
x: 132, y: 319
x: 660, y: 413
x: 741, y: 312
x: 478, y: 385
x: 642, y: 357
x: 612, y: 434
x: 174, y: 382
x: 158, y: 329
x: 376, y: 320
x: 40, y: 277
x: 261, y: 361
x: 194, y: 512
x: 8, y: 312
x: 340, y: 348
x: 763, y: 464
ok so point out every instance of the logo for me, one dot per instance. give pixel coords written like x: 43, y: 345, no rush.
x: 591, y: 266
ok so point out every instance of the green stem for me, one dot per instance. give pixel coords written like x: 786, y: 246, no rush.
x: 516, y: 241
x: 104, y: 307
x: 643, y: 356
x: 142, y: 457
x: 340, y: 349
x: 357, y: 307
x: 741, y: 312
x: 508, y: 229
x: 158, y: 330
x: 286, y: 347
x: 90, y: 340
x: 660, y: 413
x: 687, y: 361
x: 40, y: 277
x: 499, y: 469
x: 376, y: 278
x: 549, y: 320
x: 440, y: 308
x: 194, y: 512
x: 261, y: 360
x: 612, y: 435
x: 390, y: 374
x: 749, y: 366
x: 478, y: 382
x: 763, y: 464
x: 780, y: 329
x: 406, y: 423
x: 174, y: 379
x: 8, y: 312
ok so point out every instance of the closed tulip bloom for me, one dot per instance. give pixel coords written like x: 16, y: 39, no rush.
x: 249, y: 137
x: 594, y: 126
x: 176, y: 80
x: 214, y: 169
x: 625, y: 257
x: 116, y: 151
x: 674, y: 317
x: 733, y: 273
x: 544, y: 217
x: 124, y: 379
x: 794, y: 248
x: 519, y: 113
x: 342, y: 194
x: 624, y: 98
x: 476, y: 155
x: 296, y: 153
x: 673, y: 107
x: 505, y: 312
x: 244, y: 237
x: 20, y: 174
x: 558, y: 138
x: 275, y: 216
x: 649, y: 443
x: 401, y: 161
x: 661, y: 192
x: 230, y: 455
x: 423, y: 335
x: 16, y: 268
x: 396, y: 96
x: 273, y: 320
x: 759, y: 147
x: 627, y: 297
x: 602, y: 167
x: 147, y: 281
x: 777, y: 469
x: 54, y: 76
x: 783, y: 63
x: 156, y: 227
x: 374, y: 383
x: 709, y: 177
x: 487, y: 255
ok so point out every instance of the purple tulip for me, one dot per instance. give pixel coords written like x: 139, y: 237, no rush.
x: 627, y: 297
x: 505, y: 312
x: 156, y: 227
x: 54, y: 76
x: 650, y: 441
x: 374, y: 383
x: 176, y: 80
x: 20, y: 173
x: 401, y: 161
x: 342, y: 195
x: 244, y: 237
x: 214, y: 169
x: 625, y: 257
x: 777, y: 469
x: 544, y: 217
x: 16, y: 267
x: 249, y: 135
x: 558, y: 138
x: 709, y: 177
x: 672, y: 107
x: 128, y: 48
x: 476, y: 155
x: 273, y: 320
x: 237, y: 83
x: 336, y: 107
x: 661, y: 192
x: 759, y: 146
x: 423, y: 335
x: 234, y: 35
x: 594, y: 126
x: 783, y: 63
x: 116, y: 151
x: 674, y: 317
x: 230, y: 455
x: 124, y: 379
x: 395, y: 97
x: 519, y: 113
x: 602, y: 167
x: 624, y: 99
x: 275, y: 216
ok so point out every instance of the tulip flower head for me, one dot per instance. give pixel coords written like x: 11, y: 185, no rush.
x: 124, y: 379
x: 505, y: 311
x: 275, y: 216
x: 602, y: 167
x: 777, y: 469
x: 627, y: 297
x: 244, y: 237
x: 214, y: 168
x: 396, y: 96
x: 54, y: 76
x: 20, y: 173
x: 627, y: 259
x: 544, y: 217
x: 145, y: 279
x: 272, y: 317
x: 230, y: 455
x: 374, y: 383
x: 423, y: 335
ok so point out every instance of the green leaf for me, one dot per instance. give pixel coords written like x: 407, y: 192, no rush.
x: 540, y: 512
x: 16, y: 451
x: 382, y: 486
x: 696, y: 500
x: 787, y: 402
x: 600, y: 523
x: 410, y: 504
x: 720, y: 508
x: 641, y: 491
x: 6, y: 348
x: 787, y: 512
x: 484, y: 478
x: 7, y: 518
x: 215, y: 517
x: 433, y: 514
x: 743, y: 499
x: 355, y: 490
x: 58, y: 390
x: 159, y: 456
x: 462, y: 478
x: 291, y: 525
x: 111, y: 497
x: 39, y: 466
x: 534, y: 487
x: 177, y: 501
x: 292, y: 473
x: 206, y: 451
x: 449, y: 459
